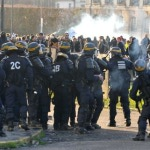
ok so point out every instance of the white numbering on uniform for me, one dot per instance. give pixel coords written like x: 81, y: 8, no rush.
x: 57, y: 68
x: 15, y: 65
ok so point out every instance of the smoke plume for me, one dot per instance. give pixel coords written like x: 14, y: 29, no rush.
x: 98, y: 26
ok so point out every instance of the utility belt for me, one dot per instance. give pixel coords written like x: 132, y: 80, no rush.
x: 8, y: 83
x: 84, y: 83
x: 87, y: 84
x: 66, y: 83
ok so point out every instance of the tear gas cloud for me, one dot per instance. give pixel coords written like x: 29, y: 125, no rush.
x: 98, y: 26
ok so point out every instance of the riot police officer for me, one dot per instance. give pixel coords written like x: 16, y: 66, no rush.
x: 66, y: 49
x: 61, y: 86
x: 44, y: 98
x: 22, y: 51
x: 4, y: 50
x: 2, y: 78
x: 85, y: 80
x: 17, y: 69
x: 119, y: 82
x: 40, y: 72
x: 100, y: 67
x: 141, y: 85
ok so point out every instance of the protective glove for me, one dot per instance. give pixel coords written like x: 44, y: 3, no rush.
x: 100, y: 77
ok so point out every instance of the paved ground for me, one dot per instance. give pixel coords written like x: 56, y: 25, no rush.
x: 107, y: 138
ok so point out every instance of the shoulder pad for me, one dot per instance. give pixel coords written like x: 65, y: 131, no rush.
x: 28, y: 60
x: 48, y: 60
x: 36, y: 62
x: 4, y: 59
x: 70, y: 64
x: 96, y: 66
x: 89, y: 63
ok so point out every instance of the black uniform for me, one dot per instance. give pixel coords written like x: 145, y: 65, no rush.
x: 73, y: 58
x: 2, y: 78
x: 17, y: 69
x: 85, y: 79
x: 61, y: 86
x: 119, y: 82
x: 98, y: 93
x: 44, y: 98
x: 40, y: 72
x: 142, y: 85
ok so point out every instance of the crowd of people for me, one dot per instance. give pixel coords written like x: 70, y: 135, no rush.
x: 37, y: 71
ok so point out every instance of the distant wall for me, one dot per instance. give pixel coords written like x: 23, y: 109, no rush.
x: 27, y: 20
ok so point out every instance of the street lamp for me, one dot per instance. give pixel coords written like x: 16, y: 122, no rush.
x: 12, y: 5
x: 41, y: 14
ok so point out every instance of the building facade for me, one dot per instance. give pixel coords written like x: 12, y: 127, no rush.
x: 64, y: 4
x: 49, y: 3
x: 70, y: 3
x: 134, y: 13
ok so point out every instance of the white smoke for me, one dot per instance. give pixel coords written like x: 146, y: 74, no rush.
x: 90, y: 27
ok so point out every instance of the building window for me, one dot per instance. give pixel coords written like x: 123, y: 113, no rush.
x: 110, y: 2
x: 121, y: 2
x: 58, y: 5
x: 133, y: 24
x: 96, y: 1
x: 146, y: 24
x: 82, y: 5
x: 134, y: 2
x: 146, y: 2
x: 69, y: 5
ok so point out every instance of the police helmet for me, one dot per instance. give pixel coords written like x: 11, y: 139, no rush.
x: 22, y: 46
x: 89, y: 48
x: 33, y: 48
x: 6, y: 45
x: 11, y: 49
x: 115, y: 51
x: 64, y: 47
x: 140, y: 65
x: 43, y: 49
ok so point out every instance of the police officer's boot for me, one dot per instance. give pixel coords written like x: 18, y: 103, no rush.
x: 81, y: 130
x: 128, y: 122
x: 65, y: 127
x: 44, y: 126
x: 2, y: 134
x: 72, y: 123
x: 23, y: 124
x: 10, y: 126
x: 140, y: 136
x: 112, y: 123
x: 96, y: 126
x: 28, y: 120
x: 89, y: 128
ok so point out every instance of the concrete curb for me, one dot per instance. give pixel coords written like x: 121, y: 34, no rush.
x: 22, y: 140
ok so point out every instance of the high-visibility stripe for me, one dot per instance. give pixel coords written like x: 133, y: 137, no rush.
x: 33, y: 48
x: 10, y: 48
x: 19, y: 45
